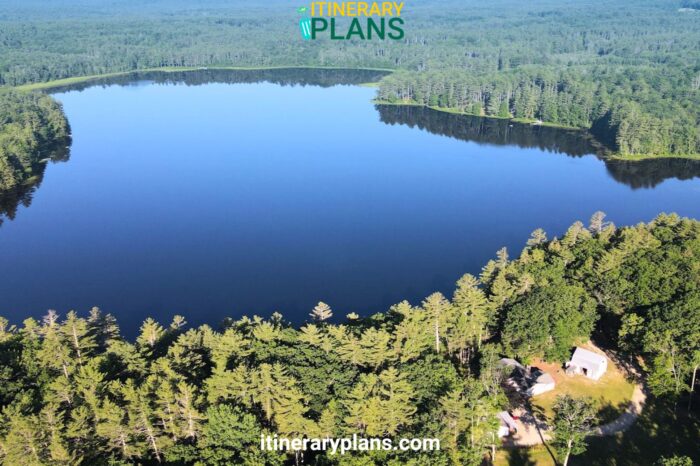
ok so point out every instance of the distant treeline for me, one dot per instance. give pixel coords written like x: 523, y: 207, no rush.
x: 630, y: 115
x: 74, y: 391
x: 494, y: 131
x: 282, y: 76
x: 629, y: 70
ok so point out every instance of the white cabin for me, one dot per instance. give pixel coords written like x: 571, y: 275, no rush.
x: 588, y: 363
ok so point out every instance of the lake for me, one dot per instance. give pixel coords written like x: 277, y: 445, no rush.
x: 218, y: 194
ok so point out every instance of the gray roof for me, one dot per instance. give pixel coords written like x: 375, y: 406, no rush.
x: 584, y: 356
x: 545, y: 379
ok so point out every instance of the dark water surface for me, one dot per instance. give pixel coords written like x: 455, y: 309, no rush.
x: 235, y: 197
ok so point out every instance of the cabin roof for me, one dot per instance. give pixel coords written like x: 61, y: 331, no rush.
x: 585, y: 357
x: 545, y: 379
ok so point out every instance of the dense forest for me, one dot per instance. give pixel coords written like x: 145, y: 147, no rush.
x: 31, y: 128
x: 629, y: 70
x: 33, y: 131
x: 74, y: 391
x: 621, y: 107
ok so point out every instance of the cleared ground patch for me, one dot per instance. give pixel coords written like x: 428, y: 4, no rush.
x: 612, y: 392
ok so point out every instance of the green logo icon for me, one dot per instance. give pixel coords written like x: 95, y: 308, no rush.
x: 304, y: 23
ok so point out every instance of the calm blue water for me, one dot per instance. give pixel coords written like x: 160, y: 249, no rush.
x: 229, y: 199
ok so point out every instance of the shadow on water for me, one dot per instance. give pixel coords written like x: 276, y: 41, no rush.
x: 573, y: 143
x: 10, y: 201
x: 650, y: 173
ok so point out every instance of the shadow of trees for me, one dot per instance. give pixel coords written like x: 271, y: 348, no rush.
x: 520, y: 457
x: 664, y: 428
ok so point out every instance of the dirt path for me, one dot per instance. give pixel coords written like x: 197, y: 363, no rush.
x: 531, y: 431
x: 627, y: 418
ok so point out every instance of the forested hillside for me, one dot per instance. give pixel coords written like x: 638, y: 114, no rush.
x: 73, y: 390
x: 628, y: 69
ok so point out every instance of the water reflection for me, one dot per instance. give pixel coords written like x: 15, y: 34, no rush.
x: 650, y: 173
x: 280, y: 76
x: 643, y: 174
x: 10, y: 201
x: 573, y: 143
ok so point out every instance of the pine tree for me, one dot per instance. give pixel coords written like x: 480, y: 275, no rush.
x: 275, y: 392
x: 321, y: 312
x: 151, y: 333
x: 143, y: 420
x: 311, y: 335
x: 374, y: 346
x: 77, y: 334
x: 471, y: 317
x: 437, y: 308
x: 537, y: 237
x: 103, y: 327
x: 190, y: 418
x: 598, y: 222
x: 454, y: 422
x: 112, y: 426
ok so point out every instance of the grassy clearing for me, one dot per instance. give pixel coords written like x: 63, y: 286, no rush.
x: 611, y: 393
x: 538, y: 455
x: 639, y: 157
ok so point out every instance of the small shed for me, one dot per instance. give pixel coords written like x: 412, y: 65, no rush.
x: 544, y: 383
x: 588, y: 363
x: 507, y: 424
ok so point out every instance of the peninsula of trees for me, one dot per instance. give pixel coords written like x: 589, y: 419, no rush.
x: 74, y: 391
x: 32, y: 127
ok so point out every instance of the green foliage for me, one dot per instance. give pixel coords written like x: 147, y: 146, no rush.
x: 675, y: 461
x: 626, y: 71
x: 573, y: 420
x: 549, y: 321
x: 31, y: 126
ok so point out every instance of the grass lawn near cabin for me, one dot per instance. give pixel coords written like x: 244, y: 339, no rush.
x: 611, y: 393
x: 531, y: 456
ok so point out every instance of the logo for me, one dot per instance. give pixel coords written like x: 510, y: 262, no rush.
x: 352, y: 20
x: 304, y: 23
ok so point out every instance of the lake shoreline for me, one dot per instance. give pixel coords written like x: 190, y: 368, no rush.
x: 57, y: 83
x: 607, y: 152
x: 608, y: 155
